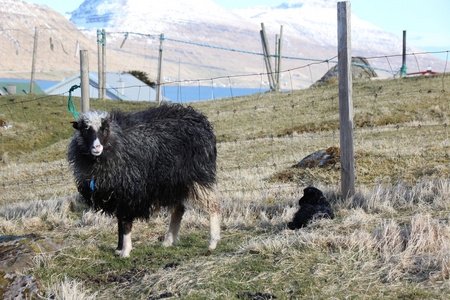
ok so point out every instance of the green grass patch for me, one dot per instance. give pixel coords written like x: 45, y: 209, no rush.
x: 371, y: 249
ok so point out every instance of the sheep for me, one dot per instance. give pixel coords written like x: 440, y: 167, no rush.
x: 129, y: 165
x: 313, y: 205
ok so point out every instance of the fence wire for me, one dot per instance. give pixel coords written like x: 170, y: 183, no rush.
x: 400, y: 126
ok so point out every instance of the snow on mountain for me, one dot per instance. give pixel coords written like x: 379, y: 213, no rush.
x: 309, y: 32
x: 317, y: 20
x: 150, y: 16
x: 56, y: 44
x: 310, y: 21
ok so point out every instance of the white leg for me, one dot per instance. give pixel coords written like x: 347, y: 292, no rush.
x: 174, y: 227
x: 127, y: 246
x: 124, y: 246
x: 208, y: 199
x: 214, y: 230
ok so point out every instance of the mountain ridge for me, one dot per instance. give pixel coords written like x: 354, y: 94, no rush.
x: 309, y: 31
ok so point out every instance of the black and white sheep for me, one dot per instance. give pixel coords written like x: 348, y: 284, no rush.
x: 130, y: 164
x: 313, y: 205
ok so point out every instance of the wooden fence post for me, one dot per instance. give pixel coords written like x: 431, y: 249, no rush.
x: 280, y: 48
x: 100, y: 64
x: 159, y: 78
x: 84, y: 74
x: 267, y: 60
x: 103, y: 64
x: 345, y: 100
x: 403, y: 69
x: 33, y: 63
x: 277, y: 40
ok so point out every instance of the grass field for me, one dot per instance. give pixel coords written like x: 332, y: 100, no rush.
x: 392, y: 240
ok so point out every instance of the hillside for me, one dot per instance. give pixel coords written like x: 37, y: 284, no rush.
x: 309, y: 32
x: 390, y: 241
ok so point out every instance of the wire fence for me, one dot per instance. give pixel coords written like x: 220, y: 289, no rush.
x: 184, y: 60
x: 401, y: 126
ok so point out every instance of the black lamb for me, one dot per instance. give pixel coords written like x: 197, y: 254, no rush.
x: 313, y: 205
x: 130, y: 164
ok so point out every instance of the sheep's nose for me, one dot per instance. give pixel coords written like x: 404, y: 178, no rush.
x: 97, y: 148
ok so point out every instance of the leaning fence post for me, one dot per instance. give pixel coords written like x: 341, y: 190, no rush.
x: 267, y: 56
x: 345, y: 100
x: 84, y: 74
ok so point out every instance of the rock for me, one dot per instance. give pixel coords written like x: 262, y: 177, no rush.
x: 162, y: 296
x: 256, y: 296
x: 171, y: 265
x: 321, y: 158
x: 14, y: 286
x: 16, y: 252
x: 360, y: 70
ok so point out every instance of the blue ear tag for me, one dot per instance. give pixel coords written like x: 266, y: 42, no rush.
x: 92, y: 184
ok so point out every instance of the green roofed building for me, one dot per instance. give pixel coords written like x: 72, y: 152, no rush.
x: 19, y: 87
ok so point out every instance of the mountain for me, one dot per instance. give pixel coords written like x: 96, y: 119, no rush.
x: 56, y: 35
x: 316, y: 20
x: 190, y: 29
x: 151, y: 16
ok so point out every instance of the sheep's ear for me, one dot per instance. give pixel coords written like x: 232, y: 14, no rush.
x: 105, y: 121
x: 105, y: 126
x: 301, y: 200
x: 308, y: 191
x: 75, y: 124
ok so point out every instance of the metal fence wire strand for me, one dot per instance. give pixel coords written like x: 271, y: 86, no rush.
x: 260, y: 137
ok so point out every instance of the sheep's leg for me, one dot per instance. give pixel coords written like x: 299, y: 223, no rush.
x: 214, y: 223
x: 120, y: 235
x: 208, y: 198
x: 124, y: 246
x: 174, y: 226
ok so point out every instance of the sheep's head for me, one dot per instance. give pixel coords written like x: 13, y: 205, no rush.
x: 312, y: 196
x: 94, y: 129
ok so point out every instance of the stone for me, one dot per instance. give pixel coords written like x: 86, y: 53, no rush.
x: 321, y: 158
x: 16, y: 252
x: 13, y: 286
x: 360, y: 70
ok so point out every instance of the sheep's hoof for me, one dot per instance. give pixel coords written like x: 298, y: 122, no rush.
x: 122, y: 253
x: 213, y: 244
x: 166, y: 244
x: 170, y: 242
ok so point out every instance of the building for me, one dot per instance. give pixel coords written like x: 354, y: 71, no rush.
x: 12, y: 87
x: 118, y: 87
x: 424, y: 73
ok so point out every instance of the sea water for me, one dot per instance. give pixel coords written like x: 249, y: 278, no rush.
x: 199, y: 93
x: 182, y: 94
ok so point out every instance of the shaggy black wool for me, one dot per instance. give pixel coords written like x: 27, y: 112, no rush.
x: 152, y: 158
x: 313, y: 205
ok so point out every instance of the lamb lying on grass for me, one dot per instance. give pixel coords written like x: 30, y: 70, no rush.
x: 313, y: 205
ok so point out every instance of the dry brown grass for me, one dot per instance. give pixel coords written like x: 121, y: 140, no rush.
x: 389, y: 241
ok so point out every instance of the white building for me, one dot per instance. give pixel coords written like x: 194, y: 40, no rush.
x: 118, y: 87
